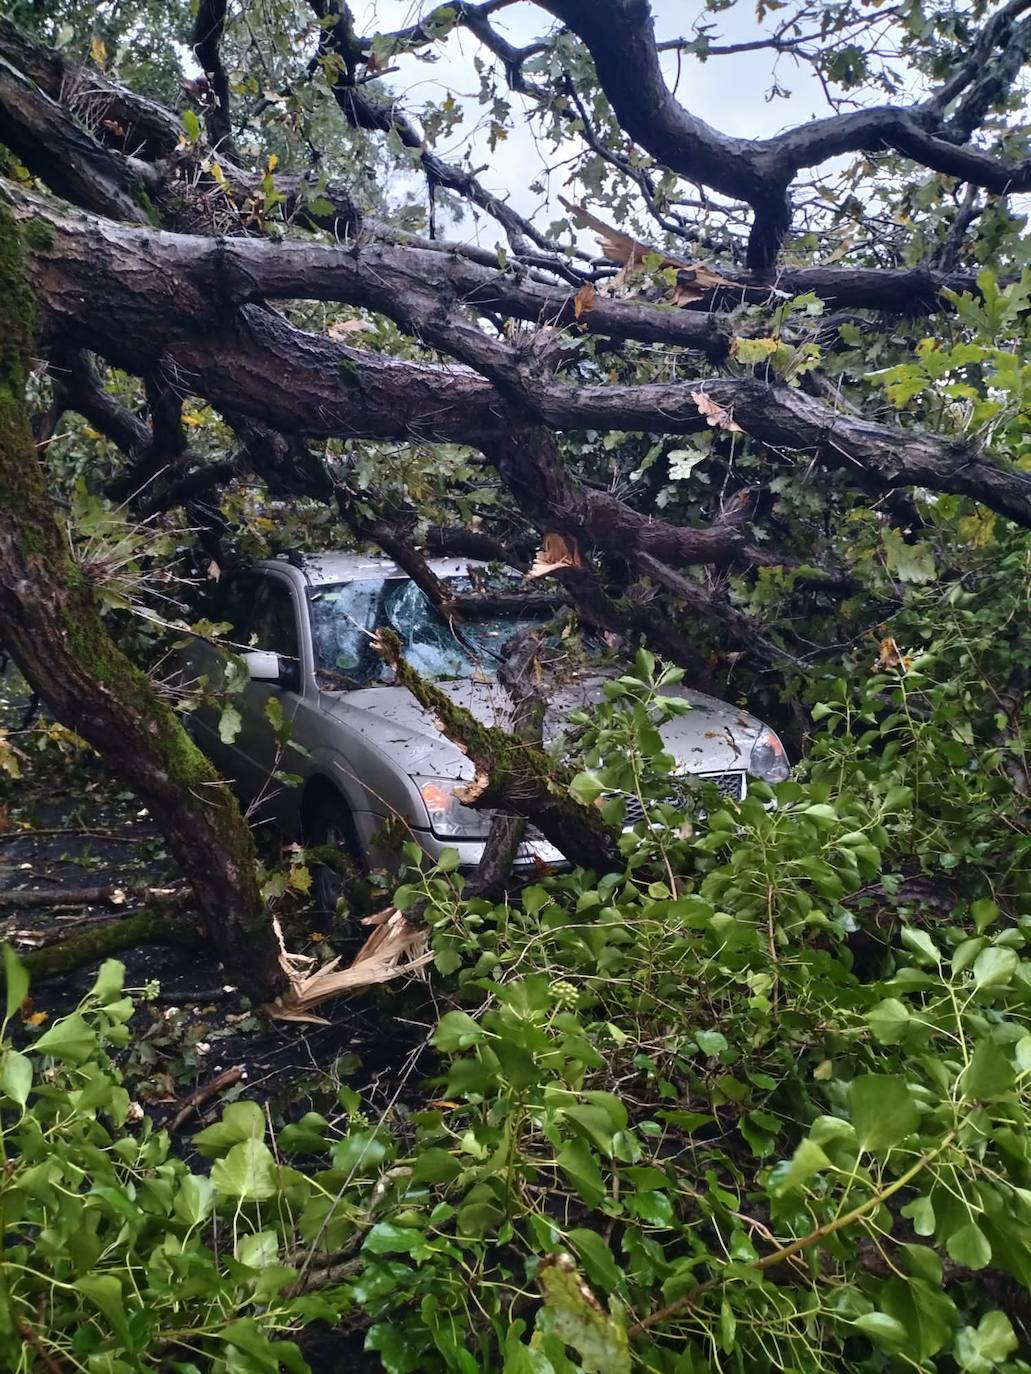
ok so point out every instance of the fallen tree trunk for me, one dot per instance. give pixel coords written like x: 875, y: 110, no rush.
x: 511, y: 774
x: 50, y: 622
x: 162, y: 924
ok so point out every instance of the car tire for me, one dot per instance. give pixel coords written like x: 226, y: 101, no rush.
x: 332, y: 825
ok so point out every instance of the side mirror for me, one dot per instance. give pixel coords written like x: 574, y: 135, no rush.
x: 265, y: 667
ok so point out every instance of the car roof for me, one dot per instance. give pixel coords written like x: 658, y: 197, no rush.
x: 325, y: 569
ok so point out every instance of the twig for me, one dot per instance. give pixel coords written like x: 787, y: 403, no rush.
x: 197, y: 1099
x: 45, y: 1358
x: 795, y: 1247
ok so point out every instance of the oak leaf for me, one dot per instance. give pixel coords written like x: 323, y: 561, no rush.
x: 716, y: 414
x: 585, y: 299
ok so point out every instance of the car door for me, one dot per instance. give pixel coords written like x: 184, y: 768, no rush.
x: 257, y: 753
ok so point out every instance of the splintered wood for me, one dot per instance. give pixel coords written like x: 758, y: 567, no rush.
x: 693, y: 279
x: 395, y: 949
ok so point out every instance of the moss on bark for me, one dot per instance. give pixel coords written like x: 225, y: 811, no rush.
x: 50, y: 622
x: 513, y: 775
x: 157, y: 926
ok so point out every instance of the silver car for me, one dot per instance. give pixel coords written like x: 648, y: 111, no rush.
x: 364, y: 751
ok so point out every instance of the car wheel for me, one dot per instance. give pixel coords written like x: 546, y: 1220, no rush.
x: 332, y: 826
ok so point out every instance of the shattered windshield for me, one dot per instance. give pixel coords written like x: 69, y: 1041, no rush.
x: 344, y: 616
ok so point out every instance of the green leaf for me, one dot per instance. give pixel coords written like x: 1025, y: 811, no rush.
x: 70, y: 1039
x: 524, y: 1359
x: 16, y: 981
x: 586, y: 788
x: 653, y: 1207
x: 240, y: 1121
x: 597, y: 1259
x: 969, y: 1246
x: 194, y: 1199
x: 882, y: 1111
x: 230, y: 723
x: 882, y: 1329
x: 16, y: 1076
x: 572, y: 1312
x: 109, y: 983
x: 104, y: 1291
x: 248, y: 1172
x: 989, y: 1073
x: 889, y: 1020
x: 456, y: 1030
x: 807, y: 1160
x: 581, y: 1168
x: 909, y: 562
x: 978, y: 1350
x: 192, y: 125
x: 995, y: 966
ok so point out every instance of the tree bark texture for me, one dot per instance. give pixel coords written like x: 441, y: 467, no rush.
x: 50, y: 622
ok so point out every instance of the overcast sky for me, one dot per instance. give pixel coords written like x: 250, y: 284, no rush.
x: 729, y: 92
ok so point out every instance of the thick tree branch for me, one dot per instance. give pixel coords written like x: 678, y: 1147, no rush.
x: 207, y: 41
x: 136, y: 297
x: 621, y: 39
x: 71, y: 161
x: 511, y: 774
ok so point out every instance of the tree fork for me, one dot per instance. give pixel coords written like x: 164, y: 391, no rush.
x: 50, y: 622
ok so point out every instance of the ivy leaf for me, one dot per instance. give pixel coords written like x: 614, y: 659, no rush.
x: 70, y: 1039
x: 978, y: 1350
x: 247, y: 1172
x: 240, y: 1121
x: 807, y: 1160
x: 882, y: 1329
x: 16, y: 1077
x: 456, y: 1030
x: 969, y: 1246
x: 194, y: 1200
x: 882, y: 1110
x: 989, y: 1073
x: 104, y: 1291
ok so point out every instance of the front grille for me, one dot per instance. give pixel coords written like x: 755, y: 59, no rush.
x: 730, y: 785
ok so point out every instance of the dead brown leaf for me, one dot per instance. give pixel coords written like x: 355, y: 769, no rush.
x: 716, y: 414
x: 695, y: 282
x: 555, y: 552
x: 585, y: 299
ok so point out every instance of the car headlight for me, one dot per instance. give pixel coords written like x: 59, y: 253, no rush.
x: 448, y: 817
x: 768, y: 759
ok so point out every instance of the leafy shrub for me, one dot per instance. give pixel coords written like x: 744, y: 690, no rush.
x: 758, y: 1101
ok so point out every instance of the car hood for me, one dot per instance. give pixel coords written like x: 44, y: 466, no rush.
x: 713, y: 736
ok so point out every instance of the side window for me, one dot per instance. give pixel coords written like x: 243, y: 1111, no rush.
x: 274, y: 622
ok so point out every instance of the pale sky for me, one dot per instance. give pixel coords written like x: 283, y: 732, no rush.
x: 728, y: 92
